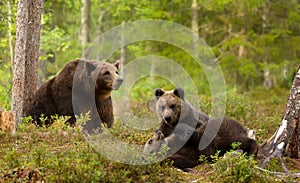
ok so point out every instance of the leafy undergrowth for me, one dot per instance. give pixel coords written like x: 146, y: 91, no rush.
x: 62, y: 154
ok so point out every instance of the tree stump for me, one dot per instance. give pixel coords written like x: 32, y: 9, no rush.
x: 286, y: 138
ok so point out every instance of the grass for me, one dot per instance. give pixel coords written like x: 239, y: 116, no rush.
x: 62, y: 154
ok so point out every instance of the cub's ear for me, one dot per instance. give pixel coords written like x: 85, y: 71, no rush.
x: 89, y: 67
x: 158, y: 93
x: 179, y: 92
x: 117, y: 64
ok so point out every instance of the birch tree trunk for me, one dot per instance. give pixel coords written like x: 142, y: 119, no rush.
x: 26, y: 55
x: 286, y: 138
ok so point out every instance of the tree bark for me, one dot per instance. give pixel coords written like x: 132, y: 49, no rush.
x: 85, y: 24
x: 268, y: 82
x: 35, y: 10
x: 26, y: 55
x: 286, y: 138
x: 123, y: 53
x: 195, y: 26
x: 10, y: 38
x: 19, y: 61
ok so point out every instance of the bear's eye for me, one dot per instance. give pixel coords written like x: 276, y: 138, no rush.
x: 107, y: 73
x: 117, y: 72
x: 163, y: 107
x: 150, y: 141
x: 172, y: 106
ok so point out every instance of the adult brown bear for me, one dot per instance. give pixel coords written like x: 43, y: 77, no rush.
x: 80, y: 87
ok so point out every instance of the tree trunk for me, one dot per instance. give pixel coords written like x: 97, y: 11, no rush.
x: 123, y: 53
x: 19, y: 61
x: 35, y: 10
x: 195, y: 26
x: 85, y: 24
x: 286, y: 138
x: 268, y: 82
x: 10, y: 38
x: 26, y: 55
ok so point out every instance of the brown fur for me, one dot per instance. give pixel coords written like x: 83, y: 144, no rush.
x: 188, y: 155
x: 92, y: 87
x: 185, y: 128
x: 172, y: 108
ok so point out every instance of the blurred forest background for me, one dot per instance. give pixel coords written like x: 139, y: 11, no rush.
x: 256, y: 41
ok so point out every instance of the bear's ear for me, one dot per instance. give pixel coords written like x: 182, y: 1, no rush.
x: 117, y: 64
x: 179, y: 92
x: 89, y: 66
x: 158, y: 93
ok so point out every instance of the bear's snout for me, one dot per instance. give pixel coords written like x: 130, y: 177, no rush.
x: 158, y: 133
x: 117, y: 83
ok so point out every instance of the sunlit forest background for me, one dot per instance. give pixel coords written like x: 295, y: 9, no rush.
x: 256, y: 42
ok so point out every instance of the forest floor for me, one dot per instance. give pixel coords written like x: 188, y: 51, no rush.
x: 62, y: 154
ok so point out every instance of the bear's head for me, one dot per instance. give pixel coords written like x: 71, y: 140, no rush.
x: 169, y: 105
x: 107, y: 77
x: 155, y: 143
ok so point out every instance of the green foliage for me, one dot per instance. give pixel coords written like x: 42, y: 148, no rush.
x: 60, y: 153
x: 5, y: 85
x: 143, y: 89
x: 237, y: 167
x: 239, y: 105
x: 236, y: 145
x: 65, y: 156
x: 54, y: 40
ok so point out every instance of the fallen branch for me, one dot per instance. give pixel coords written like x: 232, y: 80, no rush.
x: 279, y: 174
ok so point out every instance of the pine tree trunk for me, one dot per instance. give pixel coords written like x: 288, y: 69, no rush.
x: 85, y: 24
x: 26, y: 55
x: 35, y: 10
x: 286, y: 138
x: 19, y: 61
x: 268, y: 82
x: 10, y: 38
x: 195, y: 26
x: 123, y: 53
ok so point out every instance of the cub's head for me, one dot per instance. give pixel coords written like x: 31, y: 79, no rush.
x: 107, y: 76
x: 169, y: 105
x: 155, y: 143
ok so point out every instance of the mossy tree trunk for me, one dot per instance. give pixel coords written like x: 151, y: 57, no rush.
x: 286, y: 138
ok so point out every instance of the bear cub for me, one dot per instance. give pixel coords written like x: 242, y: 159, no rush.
x: 88, y: 90
x: 172, y: 108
